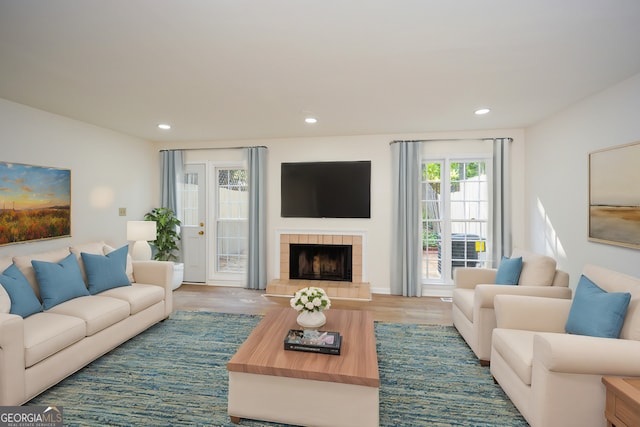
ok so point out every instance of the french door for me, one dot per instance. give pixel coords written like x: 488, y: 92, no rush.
x: 230, y: 213
x: 455, y: 217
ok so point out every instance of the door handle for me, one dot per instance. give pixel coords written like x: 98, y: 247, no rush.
x: 201, y: 232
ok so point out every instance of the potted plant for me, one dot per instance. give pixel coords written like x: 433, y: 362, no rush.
x: 167, y: 237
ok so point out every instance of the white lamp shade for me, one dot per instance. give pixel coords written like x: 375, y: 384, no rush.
x: 141, y: 230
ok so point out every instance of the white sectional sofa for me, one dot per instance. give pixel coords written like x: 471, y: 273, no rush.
x: 39, y: 350
x: 555, y: 378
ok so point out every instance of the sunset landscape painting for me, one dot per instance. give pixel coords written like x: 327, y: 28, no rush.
x: 614, y: 196
x: 35, y: 203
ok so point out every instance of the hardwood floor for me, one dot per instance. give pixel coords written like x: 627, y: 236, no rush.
x: 385, y: 308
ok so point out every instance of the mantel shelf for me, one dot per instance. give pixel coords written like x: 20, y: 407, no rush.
x: 335, y: 290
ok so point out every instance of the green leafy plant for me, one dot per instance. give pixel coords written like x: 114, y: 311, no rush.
x: 166, y: 243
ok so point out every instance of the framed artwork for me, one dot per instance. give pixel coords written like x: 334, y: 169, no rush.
x: 35, y: 203
x: 614, y: 196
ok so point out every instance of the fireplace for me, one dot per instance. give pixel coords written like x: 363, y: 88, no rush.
x: 320, y: 262
x: 354, y: 240
x: 353, y: 286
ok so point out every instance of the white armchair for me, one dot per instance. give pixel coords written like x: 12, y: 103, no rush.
x: 475, y: 288
x: 555, y: 378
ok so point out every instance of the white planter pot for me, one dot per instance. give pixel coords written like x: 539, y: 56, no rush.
x: 311, y: 319
x: 178, y: 274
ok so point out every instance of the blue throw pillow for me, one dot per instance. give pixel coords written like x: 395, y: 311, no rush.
x: 106, y: 271
x: 596, y: 312
x: 509, y: 271
x: 24, y: 301
x: 59, y: 282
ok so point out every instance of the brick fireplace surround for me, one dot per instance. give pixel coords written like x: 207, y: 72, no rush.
x: 355, y: 289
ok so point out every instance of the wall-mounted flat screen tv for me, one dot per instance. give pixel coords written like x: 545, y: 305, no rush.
x: 326, y: 189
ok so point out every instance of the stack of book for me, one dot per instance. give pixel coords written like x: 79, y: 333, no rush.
x: 313, y: 341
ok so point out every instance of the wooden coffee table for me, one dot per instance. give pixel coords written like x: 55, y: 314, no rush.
x: 269, y: 383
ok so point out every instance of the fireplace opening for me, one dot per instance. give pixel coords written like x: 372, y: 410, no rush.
x: 320, y: 262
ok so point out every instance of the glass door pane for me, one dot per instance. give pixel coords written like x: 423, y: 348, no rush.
x: 231, y: 222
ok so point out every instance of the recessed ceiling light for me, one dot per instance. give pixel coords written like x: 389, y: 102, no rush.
x: 482, y: 111
x: 310, y: 120
x: 164, y: 126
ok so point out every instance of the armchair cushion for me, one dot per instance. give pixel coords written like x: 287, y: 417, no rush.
x: 464, y: 301
x: 509, y: 271
x: 596, y: 312
x: 537, y: 270
x: 515, y: 348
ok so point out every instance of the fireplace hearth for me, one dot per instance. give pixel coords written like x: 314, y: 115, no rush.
x: 320, y: 262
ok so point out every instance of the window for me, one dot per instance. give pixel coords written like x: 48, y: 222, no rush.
x: 231, y: 207
x: 190, y: 199
x: 455, y: 217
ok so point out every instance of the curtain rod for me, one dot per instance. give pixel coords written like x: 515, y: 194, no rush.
x: 215, y: 148
x: 450, y: 140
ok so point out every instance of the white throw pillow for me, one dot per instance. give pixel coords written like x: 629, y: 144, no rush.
x: 5, y: 301
x: 95, y: 248
x: 23, y: 262
x: 129, y: 269
x: 537, y: 270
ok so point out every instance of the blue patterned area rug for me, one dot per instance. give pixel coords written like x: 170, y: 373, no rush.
x: 174, y: 374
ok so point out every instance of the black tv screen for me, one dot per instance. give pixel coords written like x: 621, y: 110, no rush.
x: 326, y: 189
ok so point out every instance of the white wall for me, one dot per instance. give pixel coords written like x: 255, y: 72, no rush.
x: 370, y: 147
x: 108, y: 171
x: 556, y: 189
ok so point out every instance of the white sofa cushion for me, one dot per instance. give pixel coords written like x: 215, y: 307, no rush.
x: 614, y: 281
x: 5, y: 262
x: 23, y: 262
x: 23, y: 301
x: 631, y: 327
x: 98, y: 312
x: 139, y: 296
x: 95, y: 248
x: 537, y: 270
x: 5, y: 301
x: 516, y: 348
x: 48, y: 333
x: 129, y: 270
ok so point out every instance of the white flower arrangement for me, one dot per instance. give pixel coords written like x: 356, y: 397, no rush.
x: 310, y: 299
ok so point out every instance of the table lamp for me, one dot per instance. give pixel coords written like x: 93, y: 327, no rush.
x: 141, y: 232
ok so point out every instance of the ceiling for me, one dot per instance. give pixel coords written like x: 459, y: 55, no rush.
x: 245, y: 69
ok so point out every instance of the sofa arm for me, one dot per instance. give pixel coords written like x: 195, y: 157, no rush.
x: 531, y: 313
x: 159, y: 273
x: 469, y: 277
x: 12, y: 381
x: 484, y: 294
x: 579, y: 354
